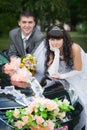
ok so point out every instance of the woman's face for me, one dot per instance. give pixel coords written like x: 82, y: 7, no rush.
x: 55, y: 43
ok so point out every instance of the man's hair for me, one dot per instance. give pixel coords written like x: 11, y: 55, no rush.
x: 27, y: 14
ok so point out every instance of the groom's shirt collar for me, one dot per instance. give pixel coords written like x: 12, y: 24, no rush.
x: 25, y: 36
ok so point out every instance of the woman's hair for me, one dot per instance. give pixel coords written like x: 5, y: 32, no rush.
x: 58, y: 32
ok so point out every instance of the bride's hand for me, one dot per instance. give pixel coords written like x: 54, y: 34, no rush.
x: 55, y: 76
x: 53, y: 47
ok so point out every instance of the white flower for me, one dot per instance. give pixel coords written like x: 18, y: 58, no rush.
x: 66, y: 102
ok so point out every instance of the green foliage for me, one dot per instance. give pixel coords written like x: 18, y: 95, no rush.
x: 78, y: 11
x: 39, y: 109
x: 63, y: 107
x: 7, y: 22
x: 4, y: 43
x: 82, y: 27
x: 45, y: 10
x: 80, y: 39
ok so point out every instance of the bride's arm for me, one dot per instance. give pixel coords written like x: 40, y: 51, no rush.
x: 66, y: 75
x: 77, y: 64
x: 55, y: 65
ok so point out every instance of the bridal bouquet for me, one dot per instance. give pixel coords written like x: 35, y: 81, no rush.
x: 21, y: 69
x: 41, y: 114
x: 29, y: 62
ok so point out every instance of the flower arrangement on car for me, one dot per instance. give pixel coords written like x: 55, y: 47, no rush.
x: 29, y: 62
x: 41, y: 114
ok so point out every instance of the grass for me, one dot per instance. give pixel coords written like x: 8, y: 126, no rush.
x: 81, y: 39
x: 4, y: 43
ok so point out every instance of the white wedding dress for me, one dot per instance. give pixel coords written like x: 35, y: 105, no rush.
x: 79, y: 84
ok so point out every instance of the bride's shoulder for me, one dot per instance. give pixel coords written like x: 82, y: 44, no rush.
x: 76, y: 47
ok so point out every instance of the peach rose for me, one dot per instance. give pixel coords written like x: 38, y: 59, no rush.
x: 50, y: 125
x: 51, y: 105
x: 25, y: 119
x: 16, y: 113
x: 62, y: 115
x: 21, y: 75
x: 13, y: 64
x: 39, y: 119
x: 19, y: 124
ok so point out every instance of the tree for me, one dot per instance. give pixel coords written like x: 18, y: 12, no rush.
x: 78, y: 11
x: 47, y: 11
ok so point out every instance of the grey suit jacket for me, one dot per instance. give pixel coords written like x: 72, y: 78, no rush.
x: 16, y: 43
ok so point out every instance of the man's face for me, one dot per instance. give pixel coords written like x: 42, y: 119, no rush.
x: 26, y: 24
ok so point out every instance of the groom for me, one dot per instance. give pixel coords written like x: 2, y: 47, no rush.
x: 27, y: 39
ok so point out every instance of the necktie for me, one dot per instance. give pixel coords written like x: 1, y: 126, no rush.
x: 24, y: 42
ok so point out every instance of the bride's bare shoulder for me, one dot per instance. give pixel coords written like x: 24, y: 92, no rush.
x: 75, y: 47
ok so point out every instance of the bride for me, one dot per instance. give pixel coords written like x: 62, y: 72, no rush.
x: 67, y: 60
